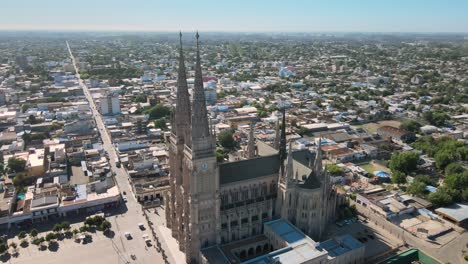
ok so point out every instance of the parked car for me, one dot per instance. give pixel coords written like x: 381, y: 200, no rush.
x: 128, y: 235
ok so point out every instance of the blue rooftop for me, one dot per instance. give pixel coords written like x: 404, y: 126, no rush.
x: 285, y: 230
x: 340, y: 245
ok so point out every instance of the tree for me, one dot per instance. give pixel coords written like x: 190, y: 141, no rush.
x: 33, y: 233
x: 436, y: 118
x: 405, y: 162
x: 411, y: 126
x: 57, y: 228
x: 160, y: 123
x: 65, y: 225
x: 226, y: 139
x: 417, y: 188
x: 21, y: 235
x: 158, y: 111
x: 443, y: 158
x: 440, y: 198
x: 398, y: 177
x: 141, y: 98
x: 457, y: 181
x: 106, y: 225
x: 335, y: 170
x: 50, y: 236
x: 3, y: 248
x: 453, y: 168
x: 16, y: 164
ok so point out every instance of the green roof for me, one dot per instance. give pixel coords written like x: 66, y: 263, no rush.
x: 410, y: 256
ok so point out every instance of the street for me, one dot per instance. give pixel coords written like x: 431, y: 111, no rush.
x: 127, y: 221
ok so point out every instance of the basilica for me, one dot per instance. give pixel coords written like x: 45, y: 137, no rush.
x: 211, y: 204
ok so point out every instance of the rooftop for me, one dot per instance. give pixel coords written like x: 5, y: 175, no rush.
x: 457, y: 212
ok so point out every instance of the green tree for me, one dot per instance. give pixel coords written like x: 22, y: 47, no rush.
x: 436, y: 118
x: 16, y: 164
x: 141, y: 98
x: 160, y: 123
x: 33, y: 233
x: 65, y: 225
x: 335, y: 170
x: 417, y: 188
x: 3, y: 248
x: 106, y: 225
x: 226, y: 139
x: 405, y: 162
x: 440, y: 198
x: 50, y: 236
x: 457, y: 181
x: 21, y: 234
x: 57, y: 228
x: 158, y: 111
x: 411, y: 126
x: 453, y: 168
x: 398, y: 177
x: 443, y: 158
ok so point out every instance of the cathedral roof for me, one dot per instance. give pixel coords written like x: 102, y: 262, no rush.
x: 248, y: 169
x: 262, y: 166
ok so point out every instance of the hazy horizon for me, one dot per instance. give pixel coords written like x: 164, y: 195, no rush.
x: 338, y: 16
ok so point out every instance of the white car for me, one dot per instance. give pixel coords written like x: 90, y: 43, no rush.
x: 125, y: 199
x: 128, y: 235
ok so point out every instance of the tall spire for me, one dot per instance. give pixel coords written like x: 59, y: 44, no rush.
x: 200, y: 129
x: 282, y: 146
x: 318, y: 160
x: 251, y: 144
x: 277, y: 135
x: 289, y: 172
x: 182, y: 112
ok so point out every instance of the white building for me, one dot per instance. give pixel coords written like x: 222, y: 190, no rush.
x: 110, y: 104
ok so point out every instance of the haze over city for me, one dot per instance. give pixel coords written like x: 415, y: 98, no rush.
x: 237, y: 16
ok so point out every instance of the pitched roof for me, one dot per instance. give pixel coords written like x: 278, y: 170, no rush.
x: 248, y: 169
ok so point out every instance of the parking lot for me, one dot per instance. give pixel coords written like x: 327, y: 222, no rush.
x: 375, y: 242
x: 111, y: 248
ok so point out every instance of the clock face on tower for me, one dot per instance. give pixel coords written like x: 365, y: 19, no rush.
x: 204, y: 165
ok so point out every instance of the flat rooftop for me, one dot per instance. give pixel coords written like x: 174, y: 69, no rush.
x: 457, y: 212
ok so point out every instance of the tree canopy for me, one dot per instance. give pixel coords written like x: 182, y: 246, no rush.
x: 335, y: 170
x: 411, y: 126
x: 16, y: 164
x: 226, y: 139
x: 158, y: 111
x: 405, y: 162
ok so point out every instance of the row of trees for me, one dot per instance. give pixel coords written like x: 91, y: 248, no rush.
x: 111, y: 73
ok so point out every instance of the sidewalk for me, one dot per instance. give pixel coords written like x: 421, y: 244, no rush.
x: 168, y: 241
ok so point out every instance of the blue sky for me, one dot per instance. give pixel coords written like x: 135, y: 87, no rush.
x: 238, y: 15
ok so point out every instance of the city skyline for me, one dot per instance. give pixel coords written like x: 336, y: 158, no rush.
x: 240, y: 16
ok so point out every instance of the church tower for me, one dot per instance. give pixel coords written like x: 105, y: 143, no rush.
x: 180, y: 136
x: 200, y: 176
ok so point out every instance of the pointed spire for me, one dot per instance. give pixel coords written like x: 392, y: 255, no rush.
x: 318, y: 160
x: 282, y: 146
x: 182, y: 112
x: 289, y: 172
x: 277, y: 135
x: 251, y: 144
x: 200, y: 128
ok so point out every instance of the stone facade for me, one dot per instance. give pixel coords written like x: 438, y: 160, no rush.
x: 213, y: 203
